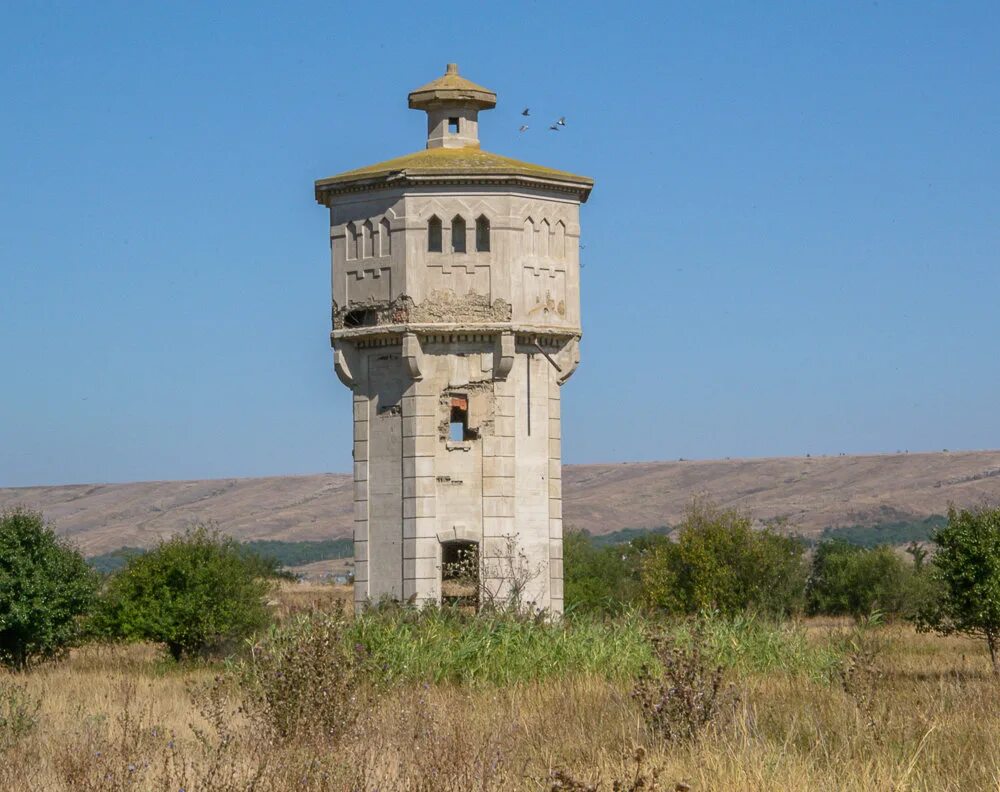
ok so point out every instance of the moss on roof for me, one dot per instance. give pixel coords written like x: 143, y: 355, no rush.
x: 467, y: 161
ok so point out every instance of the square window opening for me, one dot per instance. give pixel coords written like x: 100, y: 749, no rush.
x: 453, y: 126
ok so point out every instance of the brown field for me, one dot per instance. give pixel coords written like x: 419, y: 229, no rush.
x: 810, y: 493
x: 924, y: 717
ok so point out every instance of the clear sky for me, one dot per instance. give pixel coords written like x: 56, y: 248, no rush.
x: 792, y: 246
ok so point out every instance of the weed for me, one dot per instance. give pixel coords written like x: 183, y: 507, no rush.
x: 18, y: 713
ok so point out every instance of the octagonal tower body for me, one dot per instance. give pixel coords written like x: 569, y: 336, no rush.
x: 456, y: 319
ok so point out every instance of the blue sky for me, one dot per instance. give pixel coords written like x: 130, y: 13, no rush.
x: 792, y: 246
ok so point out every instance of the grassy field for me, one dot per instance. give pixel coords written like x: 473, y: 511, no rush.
x: 814, y: 706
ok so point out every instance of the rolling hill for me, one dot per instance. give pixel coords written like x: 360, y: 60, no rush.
x: 810, y: 494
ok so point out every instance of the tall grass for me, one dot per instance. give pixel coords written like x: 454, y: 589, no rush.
x: 447, y: 646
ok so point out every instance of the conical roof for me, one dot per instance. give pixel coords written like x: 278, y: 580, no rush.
x: 451, y: 87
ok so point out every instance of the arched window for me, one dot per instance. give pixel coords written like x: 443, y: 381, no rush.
x: 368, y: 235
x: 529, y: 237
x: 457, y: 234
x: 351, y: 237
x: 543, y: 238
x: 434, y: 234
x: 384, y: 237
x: 482, y: 234
x: 559, y: 240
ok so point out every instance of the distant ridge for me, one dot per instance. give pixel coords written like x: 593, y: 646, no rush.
x: 811, y: 493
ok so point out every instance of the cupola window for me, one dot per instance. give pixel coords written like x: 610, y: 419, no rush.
x: 434, y: 234
x: 453, y: 126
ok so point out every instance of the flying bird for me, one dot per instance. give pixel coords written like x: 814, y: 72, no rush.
x: 554, y: 128
x: 524, y: 128
x: 561, y: 121
x: 526, y: 111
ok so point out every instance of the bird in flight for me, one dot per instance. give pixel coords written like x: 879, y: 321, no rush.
x: 554, y: 128
x: 526, y: 111
x: 561, y: 121
x: 524, y: 128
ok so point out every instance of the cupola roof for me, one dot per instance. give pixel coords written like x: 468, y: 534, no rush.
x: 452, y: 88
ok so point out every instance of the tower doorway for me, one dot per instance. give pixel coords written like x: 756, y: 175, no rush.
x: 460, y: 575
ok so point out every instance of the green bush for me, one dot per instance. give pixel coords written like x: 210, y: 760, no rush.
x: 720, y: 563
x: 597, y: 578
x: 196, y: 593
x: 45, y: 588
x: 966, y: 569
x: 855, y: 581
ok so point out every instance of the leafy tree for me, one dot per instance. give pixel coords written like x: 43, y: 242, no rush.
x: 45, y: 588
x: 195, y: 593
x: 966, y: 565
x: 850, y: 580
x: 719, y: 562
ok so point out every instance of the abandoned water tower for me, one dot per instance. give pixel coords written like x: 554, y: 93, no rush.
x: 456, y: 319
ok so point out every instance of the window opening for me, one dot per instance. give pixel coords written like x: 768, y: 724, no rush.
x: 458, y: 420
x: 453, y: 126
x: 352, y: 241
x: 434, y: 235
x: 482, y: 234
x: 384, y: 237
x: 360, y: 317
x: 368, y: 235
x: 460, y: 574
x: 458, y: 234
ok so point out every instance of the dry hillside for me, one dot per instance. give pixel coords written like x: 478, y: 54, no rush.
x: 811, y: 492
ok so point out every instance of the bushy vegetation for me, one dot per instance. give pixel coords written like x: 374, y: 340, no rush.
x: 196, y: 593
x: 857, y: 581
x: 45, y: 589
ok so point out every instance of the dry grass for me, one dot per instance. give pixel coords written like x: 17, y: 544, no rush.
x: 122, y: 718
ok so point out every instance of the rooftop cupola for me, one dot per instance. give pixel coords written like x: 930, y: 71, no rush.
x: 452, y: 104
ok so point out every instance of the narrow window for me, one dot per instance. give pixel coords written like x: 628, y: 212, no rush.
x: 352, y: 241
x: 458, y: 422
x: 452, y: 126
x: 384, y: 237
x: 543, y: 238
x: 559, y: 240
x: 482, y: 234
x: 529, y: 237
x: 434, y: 234
x: 368, y: 235
x: 457, y: 234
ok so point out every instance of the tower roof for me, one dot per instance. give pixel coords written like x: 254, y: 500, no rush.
x: 452, y: 88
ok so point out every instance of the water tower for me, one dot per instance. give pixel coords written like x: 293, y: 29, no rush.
x: 456, y: 320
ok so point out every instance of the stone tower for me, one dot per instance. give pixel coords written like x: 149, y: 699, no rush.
x: 456, y: 319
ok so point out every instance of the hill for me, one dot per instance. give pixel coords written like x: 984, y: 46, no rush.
x: 807, y: 494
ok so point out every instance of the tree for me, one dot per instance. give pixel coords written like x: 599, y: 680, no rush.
x: 719, y: 562
x: 45, y: 589
x: 195, y: 593
x: 966, y: 565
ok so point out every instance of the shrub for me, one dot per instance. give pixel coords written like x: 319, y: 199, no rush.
x: 18, y: 713
x: 195, y: 593
x: 966, y: 567
x: 855, y: 581
x: 683, y: 692
x: 304, y: 679
x: 45, y: 587
x: 720, y: 563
